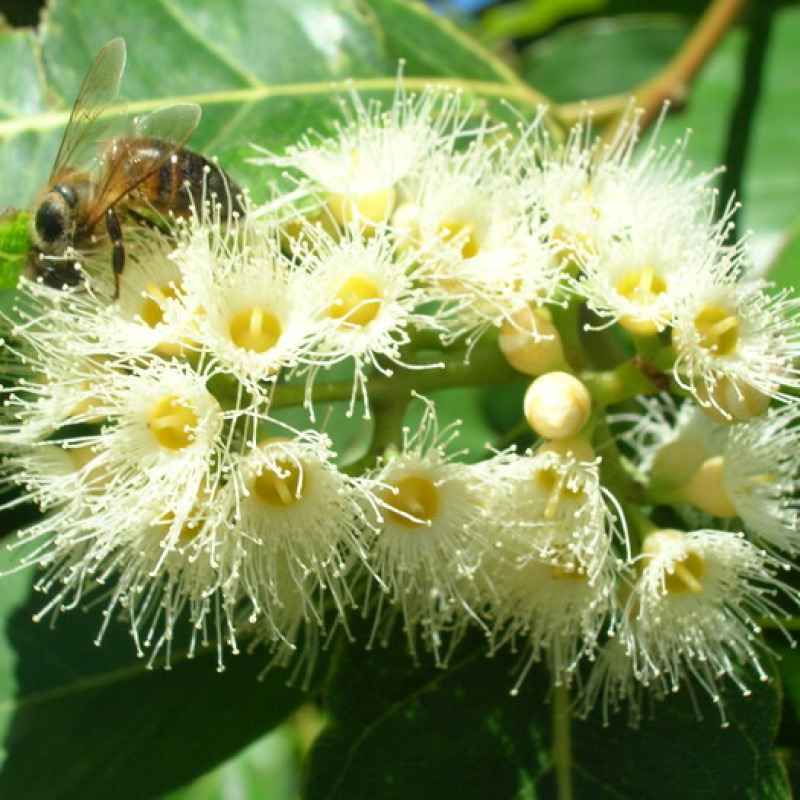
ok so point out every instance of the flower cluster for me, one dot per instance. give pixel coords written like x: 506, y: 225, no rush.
x: 179, y: 438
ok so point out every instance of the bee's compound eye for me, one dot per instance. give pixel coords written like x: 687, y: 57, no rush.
x: 53, y: 215
x: 50, y: 221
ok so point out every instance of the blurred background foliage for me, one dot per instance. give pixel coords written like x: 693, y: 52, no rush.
x: 744, y: 111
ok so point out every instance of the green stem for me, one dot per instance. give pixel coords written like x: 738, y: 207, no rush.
x: 639, y: 526
x: 630, y: 379
x: 661, y: 496
x: 567, y: 320
x: 386, y: 435
x: 520, y: 430
x: 486, y: 366
x: 562, y: 744
x: 227, y: 391
x: 615, y: 476
x: 791, y: 624
x: 427, y: 339
x: 675, y: 80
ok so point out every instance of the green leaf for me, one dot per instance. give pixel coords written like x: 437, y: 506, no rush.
x: 14, y: 244
x: 602, y: 56
x: 400, y: 730
x: 527, y: 18
x: 267, y: 769
x: 676, y: 754
x: 435, y: 46
x: 785, y: 267
x: 106, y: 726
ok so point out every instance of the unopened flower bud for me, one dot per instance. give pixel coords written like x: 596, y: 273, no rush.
x: 676, y: 463
x: 530, y: 342
x: 405, y: 224
x: 557, y: 405
x: 730, y: 402
x: 706, y: 489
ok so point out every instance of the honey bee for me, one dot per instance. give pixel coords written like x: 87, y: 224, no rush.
x: 98, y: 182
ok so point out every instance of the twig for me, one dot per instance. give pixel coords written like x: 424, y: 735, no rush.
x: 672, y: 84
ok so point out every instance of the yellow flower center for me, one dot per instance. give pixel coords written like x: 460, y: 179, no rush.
x: 154, y: 298
x: 686, y: 576
x: 189, y: 530
x: 281, y: 485
x: 706, y: 489
x: 369, y: 208
x: 255, y: 329
x: 643, y: 287
x: 357, y: 301
x: 414, y: 503
x: 464, y: 232
x: 553, y: 483
x: 687, y: 571
x: 173, y: 422
x: 718, y: 329
x: 151, y: 312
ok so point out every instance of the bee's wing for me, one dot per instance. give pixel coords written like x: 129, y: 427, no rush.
x: 173, y: 124
x: 130, y: 162
x: 87, y: 122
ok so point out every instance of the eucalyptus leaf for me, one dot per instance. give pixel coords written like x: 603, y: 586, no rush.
x: 107, y: 726
x: 525, y: 18
x: 399, y: 730
x: 13, y: 249
x: 267, y: 769
x: 602, y: 56
x: 784, y: 269
x: 683, y: 750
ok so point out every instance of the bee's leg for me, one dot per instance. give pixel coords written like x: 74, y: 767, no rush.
x: 117, y: 248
